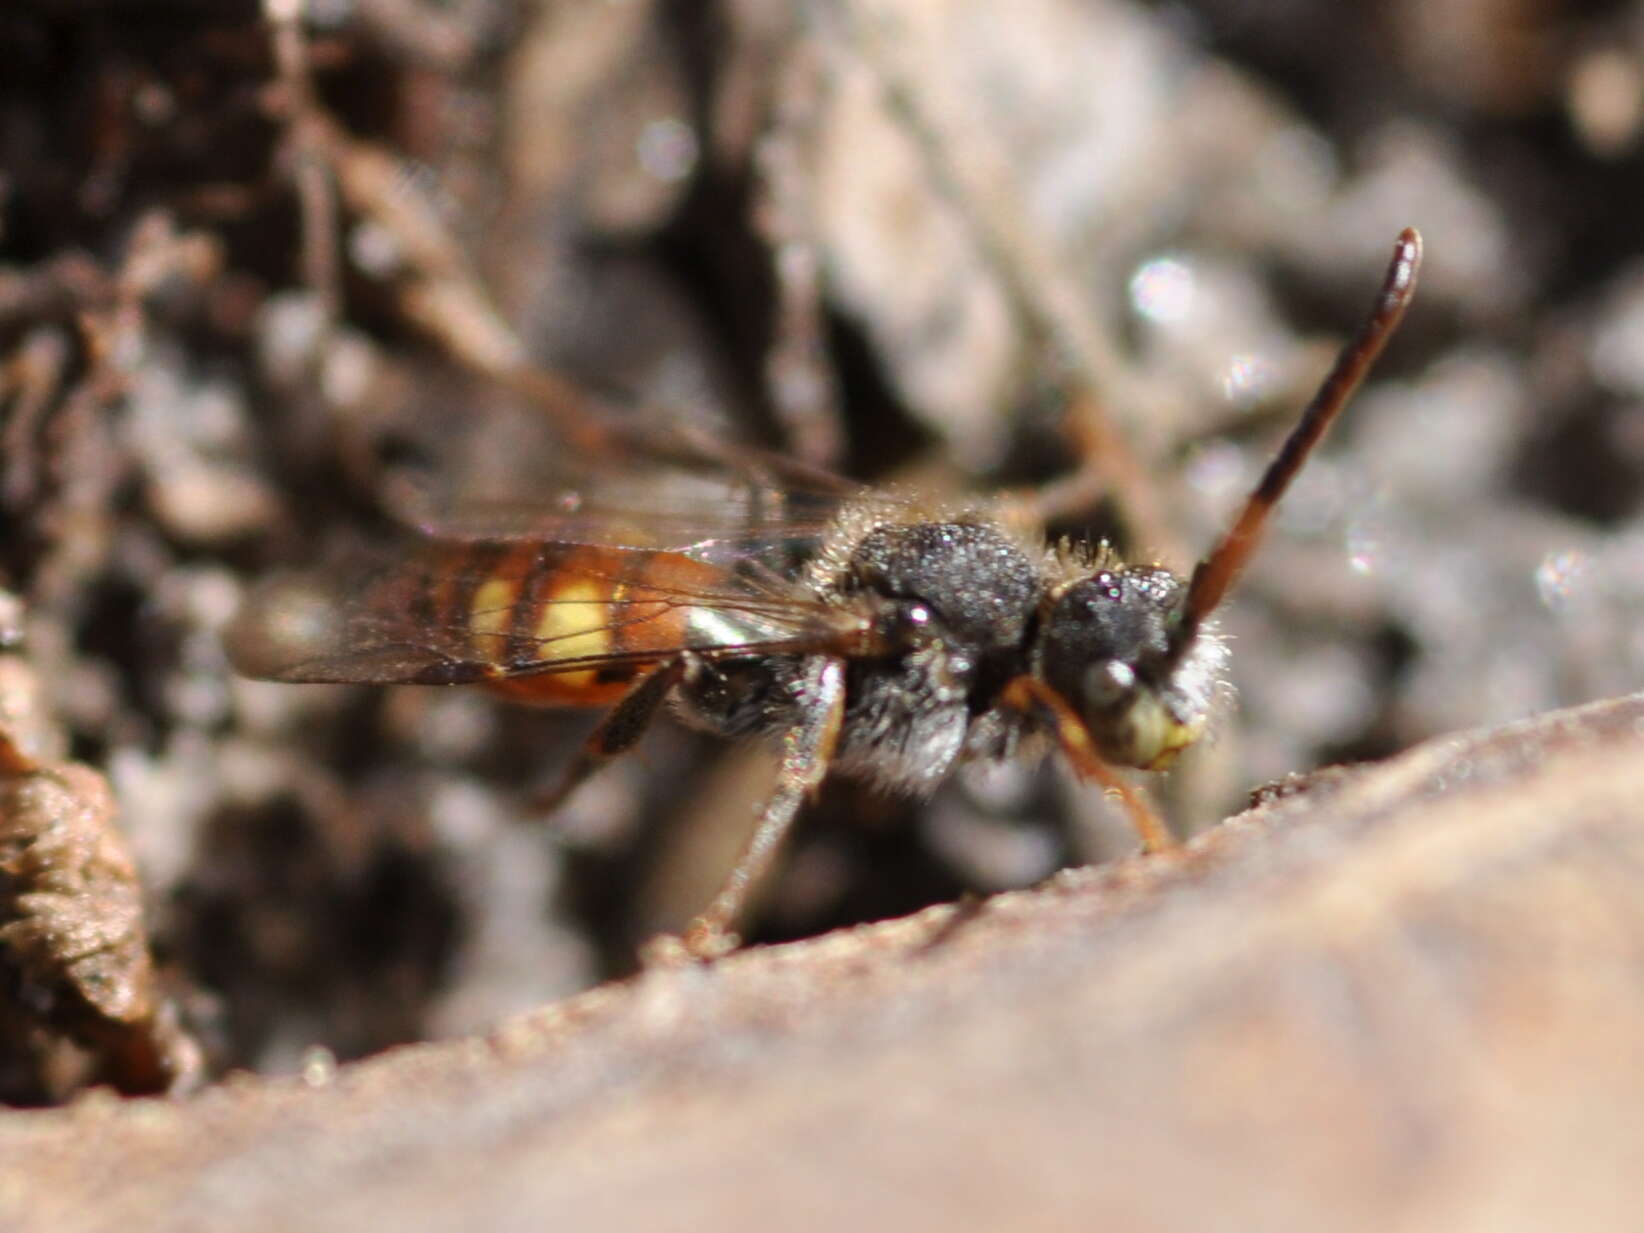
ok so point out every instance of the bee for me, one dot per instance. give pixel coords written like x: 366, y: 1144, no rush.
x: 865, y: 632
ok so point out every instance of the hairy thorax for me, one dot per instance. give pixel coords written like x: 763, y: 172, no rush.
x: 953, y: 603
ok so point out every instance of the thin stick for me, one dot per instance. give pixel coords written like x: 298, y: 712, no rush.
x: 316, y: 199
x: 1218, y: 571
x: 975, y: 181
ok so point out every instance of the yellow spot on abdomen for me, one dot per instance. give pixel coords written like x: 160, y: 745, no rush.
x: 489, y: 616
x: 575, y: 623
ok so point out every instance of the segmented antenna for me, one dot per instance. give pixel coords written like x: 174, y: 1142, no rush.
x: 1214, y: 575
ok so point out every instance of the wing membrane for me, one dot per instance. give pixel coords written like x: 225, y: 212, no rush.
x: 543, y: 559
x: 455, y: 613
x: 674, y: 490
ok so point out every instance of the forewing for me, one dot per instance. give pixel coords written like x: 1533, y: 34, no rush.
x: 445, y: 613
x: 676, y: 491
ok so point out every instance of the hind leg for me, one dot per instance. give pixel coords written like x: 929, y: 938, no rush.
x: 616, y: 734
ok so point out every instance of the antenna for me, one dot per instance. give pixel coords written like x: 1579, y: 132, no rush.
x: 1215, y: 575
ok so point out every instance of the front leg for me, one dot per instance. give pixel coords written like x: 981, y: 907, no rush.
x: 807, y: 748
x: 1030, y: 695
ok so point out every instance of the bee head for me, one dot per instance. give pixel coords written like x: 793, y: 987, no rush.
x: 1131, y: 651
x: 1115, y: 647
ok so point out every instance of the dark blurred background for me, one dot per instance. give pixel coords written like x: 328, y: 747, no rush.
x: 254, y: 258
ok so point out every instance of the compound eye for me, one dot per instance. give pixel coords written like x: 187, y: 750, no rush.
x: 1109, y: 683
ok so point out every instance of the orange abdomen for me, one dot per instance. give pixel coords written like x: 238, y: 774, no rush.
x: 569, y: 625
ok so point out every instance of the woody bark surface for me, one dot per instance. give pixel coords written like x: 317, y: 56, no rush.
x: 1402, y: 996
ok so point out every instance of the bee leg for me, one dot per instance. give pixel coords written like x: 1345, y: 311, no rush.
x: 616, y: 734
x: 1032, y: 696
x: 807, y: 748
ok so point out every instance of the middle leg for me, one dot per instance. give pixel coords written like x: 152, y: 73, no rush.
x: 807, y: 749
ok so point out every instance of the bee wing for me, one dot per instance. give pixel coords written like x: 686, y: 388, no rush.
x: 641, y: 488
x: 708, y: 524
x: 449, y: 613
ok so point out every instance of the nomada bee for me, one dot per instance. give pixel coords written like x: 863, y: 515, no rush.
x: 866, y: 632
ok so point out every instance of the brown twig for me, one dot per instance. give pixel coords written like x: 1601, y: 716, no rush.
x: 306, y: 155
x: 797, y: 373
x: 1048, y: 303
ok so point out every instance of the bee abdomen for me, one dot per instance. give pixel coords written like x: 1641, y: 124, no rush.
x: 545, y: 616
